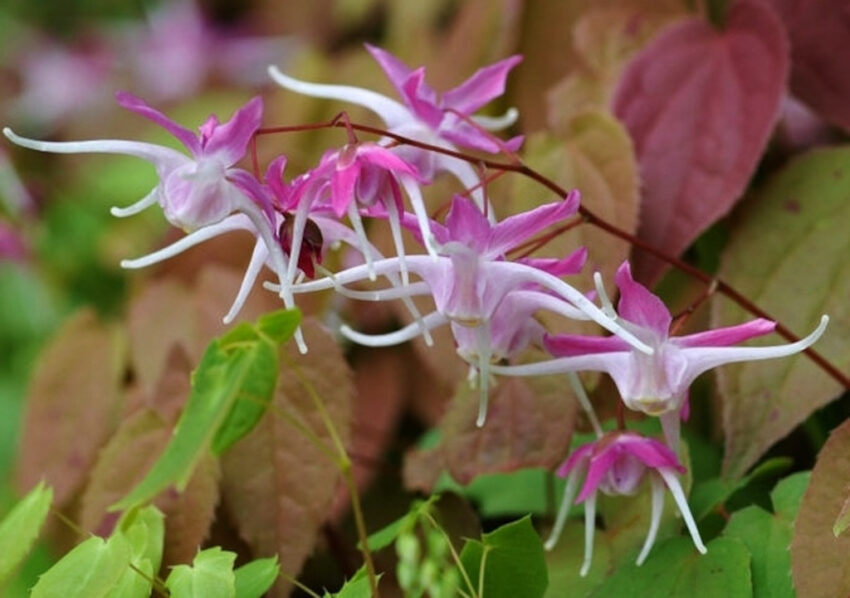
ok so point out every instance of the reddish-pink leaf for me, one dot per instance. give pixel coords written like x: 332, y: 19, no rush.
x: 700, y: 105
x: 78, y: 379
x: 277, y: 484
x: 820, y: 33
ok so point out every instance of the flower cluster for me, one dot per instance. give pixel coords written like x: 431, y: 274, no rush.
x: 487, y: 298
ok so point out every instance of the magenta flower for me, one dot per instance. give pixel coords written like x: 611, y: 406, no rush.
x: 656, y: 383
x: 470, y: 279
x: 425, y: 116
x: 201, y: 193
x: 616, y: 464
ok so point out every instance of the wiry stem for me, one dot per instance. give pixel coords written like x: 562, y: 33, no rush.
x: 343, y: 462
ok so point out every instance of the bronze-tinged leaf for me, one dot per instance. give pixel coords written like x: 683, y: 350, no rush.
x: 381, y: 378
x: 788, y: 254
x: 594, y: 155
x: 529, y: 424
x: 77, y: 379
x: 820, y: 562
x: 123, y: 463
x: 160, y: 317
x: 277, y: 485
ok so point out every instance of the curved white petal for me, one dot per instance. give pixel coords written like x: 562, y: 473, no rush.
x: 158, y: 155
x: 563, y: 510
x: 655, y: 519
x: 701, y: 359
x: 682, y: 503
x: 495, y: 123
x: 393, y: 113
x: 402, y: 335
x: 589, y: 529
x: 144, y: 203
x: 258, y: 258
x: 236, y: 222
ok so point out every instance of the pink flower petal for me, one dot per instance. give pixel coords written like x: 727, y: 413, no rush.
x: 397, y: 72
x: 573, y: 345
x: 651, y: 452
x: 140, y: 107
x: 467, y: 224
x: 600, y: 464
x: 343, y: 182
x: 513, y: 230
x: 639, y: 306
x: 700, y: 104
x: 421, y: 99
x: 230, y: 141
x: 730, y: 335
x: 572, y: 264
x: 484, y: 85
x: 581, y: 453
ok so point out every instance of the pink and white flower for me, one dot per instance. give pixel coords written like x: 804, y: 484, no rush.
x: 616, y: 464
x: 656, y: 383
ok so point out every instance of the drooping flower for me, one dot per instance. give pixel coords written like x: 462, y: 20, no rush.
x: 202, y: 193
x: 656, y: 383
x: 471, y: 277
x: 616, y: 464
x: 445, y: 121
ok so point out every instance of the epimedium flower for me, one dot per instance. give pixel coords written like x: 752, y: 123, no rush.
x: 616, y: 464
x: 470, y: 278
x: 202, y: 193
x: 656, y: 383
x: 445, y: 120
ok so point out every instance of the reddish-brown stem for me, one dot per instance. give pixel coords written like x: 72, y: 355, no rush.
x: 621, y: 415
x: 529, y: 247
x: 681, y: 318
x: 591, y: 218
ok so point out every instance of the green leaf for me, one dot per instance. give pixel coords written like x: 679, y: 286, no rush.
x: 388, y: 534
x: 279, y: 325
x: 675, y: 569
x: 92, y: 569
x: 565, y: 560
x: 768, y: 537
x: 505, y: 494
x: 145, y: 531
x: 512, y: 559
x: 356, y: 587
x: 255, y: 578
x: 210, y: 576
x: 20, y: 527
x: 230, y: 390
x: 787, y: 254
x: 254, y: 394
x: 709, y: 494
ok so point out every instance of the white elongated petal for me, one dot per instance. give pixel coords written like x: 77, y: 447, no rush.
x: 156, y: 154
x: 576, y: 298
x: 393, y: 113
x: 365, y: 246
x: 397, y: 337
x: 594, y: 362
x: 701, y: 359
x: 411, y: 188
x: 654, y: 520
x: 236, y: 222
x: 484, y: 350
x: 675, y: 488
x: 258, y: 258
x: 144, y: 203
x: 564, y: 510
x: 584, y: 401
x: 589, y: 529
x: 397, y: 292
x: 496, y: 123
x: 607, y: 306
